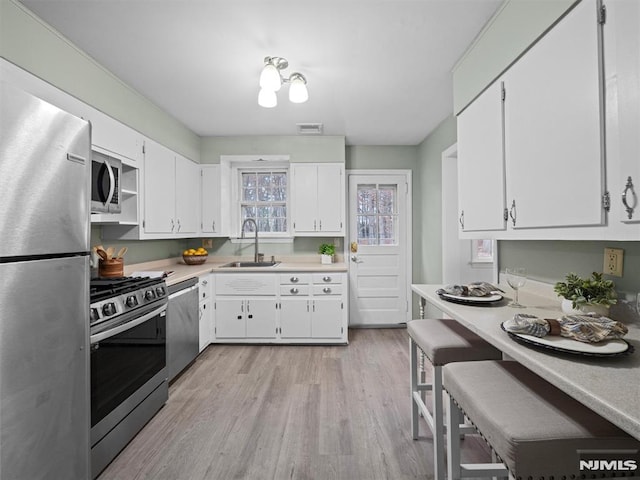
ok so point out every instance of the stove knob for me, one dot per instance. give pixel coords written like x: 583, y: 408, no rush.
x: 159, y: 291
x: 132, y: 301
x: 149, y: 295
x: 94, y: 314
x: 109, y: 309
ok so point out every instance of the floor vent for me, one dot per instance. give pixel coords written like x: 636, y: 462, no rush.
x: 309, y: 128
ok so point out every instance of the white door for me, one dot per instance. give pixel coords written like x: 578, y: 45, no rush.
x: 380, y: 247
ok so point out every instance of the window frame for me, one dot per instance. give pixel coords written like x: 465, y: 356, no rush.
x: 237, y: 168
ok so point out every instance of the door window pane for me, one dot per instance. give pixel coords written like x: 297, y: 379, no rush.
x: 377, y: 214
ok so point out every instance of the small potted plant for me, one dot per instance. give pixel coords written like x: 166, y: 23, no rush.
x: 593, y: 294
x: 326, y: 251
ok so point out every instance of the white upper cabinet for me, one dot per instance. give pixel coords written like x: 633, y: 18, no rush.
x: 211, y: 200
x: 171, y: 192
x: 159, y: 189
x: 114, y: 136
x: 318, y: 193
x: 481, y: 187
x: 622, y: 71
x: 553, y: 127
x: 187, y: 216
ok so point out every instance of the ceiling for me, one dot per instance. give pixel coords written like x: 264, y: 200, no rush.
x: 378, y: 71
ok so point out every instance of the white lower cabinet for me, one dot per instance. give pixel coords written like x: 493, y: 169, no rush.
x: 295, y: 318
x: 295, y: 307
x: 205, y: 311
x: 326, y: 318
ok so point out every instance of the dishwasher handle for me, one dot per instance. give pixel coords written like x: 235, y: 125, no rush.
x: 184, y: 291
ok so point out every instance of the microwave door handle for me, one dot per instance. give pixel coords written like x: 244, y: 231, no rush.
x: 98, y: 337
x: 112, y: 182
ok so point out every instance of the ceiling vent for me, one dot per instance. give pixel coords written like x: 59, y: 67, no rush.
x: 309, y: 128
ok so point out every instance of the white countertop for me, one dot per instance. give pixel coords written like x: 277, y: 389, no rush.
x: 183, y: 271
x: 609, y: 386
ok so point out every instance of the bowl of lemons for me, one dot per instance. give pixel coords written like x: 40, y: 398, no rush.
x: 195, y: 256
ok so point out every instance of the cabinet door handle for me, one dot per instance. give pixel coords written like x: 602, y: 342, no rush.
x: 172, y: 225
x: 239, y: 317
x: 249, y: 316
x: 204, y: 282
x: 326, y: 290
x: 294, y: 279
x: 178, y: 226
x: 326, y: 279
x: 628, y: 188
x: 314, y: 225
x: 320, y: 225
x: 513, y: 213
x: 213, y: 226
x: 461, y: 219
x: 294, y: 291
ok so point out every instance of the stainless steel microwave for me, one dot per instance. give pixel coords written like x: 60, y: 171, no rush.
x: 106, y: 188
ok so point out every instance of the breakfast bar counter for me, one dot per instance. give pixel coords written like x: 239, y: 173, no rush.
x: 609, y: 386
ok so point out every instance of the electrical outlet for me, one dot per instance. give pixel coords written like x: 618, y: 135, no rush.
x: 207, y: 243
x: 613, y: 258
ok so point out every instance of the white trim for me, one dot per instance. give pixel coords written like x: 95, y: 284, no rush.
x: 408, y: 224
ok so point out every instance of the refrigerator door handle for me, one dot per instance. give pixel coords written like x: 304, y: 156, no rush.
x: 72, y: 157
x: 112, y: 182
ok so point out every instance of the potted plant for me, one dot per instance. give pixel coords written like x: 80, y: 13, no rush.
x: 326, y: 251
x: 593, y: 294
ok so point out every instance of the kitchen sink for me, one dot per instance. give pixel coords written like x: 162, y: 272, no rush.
x: 249, y: 264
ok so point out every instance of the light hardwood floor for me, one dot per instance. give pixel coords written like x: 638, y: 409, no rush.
x: 288, y: 412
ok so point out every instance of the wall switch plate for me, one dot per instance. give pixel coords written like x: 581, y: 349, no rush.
x: 207, y: 243
x: 613, y: 258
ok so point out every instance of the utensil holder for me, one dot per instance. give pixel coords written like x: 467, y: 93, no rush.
x: 111, y: 268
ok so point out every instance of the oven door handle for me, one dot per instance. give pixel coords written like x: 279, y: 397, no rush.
x: 98, y: 337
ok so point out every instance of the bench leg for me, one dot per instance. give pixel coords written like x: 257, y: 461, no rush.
x: 438, y: 423
x: 413, y: 354
x: 454, y: 418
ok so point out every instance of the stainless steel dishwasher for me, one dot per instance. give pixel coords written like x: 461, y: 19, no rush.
x: 182, y: 326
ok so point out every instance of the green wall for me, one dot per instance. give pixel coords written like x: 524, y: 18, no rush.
x: 139, y: 251
x: 31, y: 44
x: 304, y: 148
x: 427, y: 213
x: 550, y: 261
x: 508, y: 34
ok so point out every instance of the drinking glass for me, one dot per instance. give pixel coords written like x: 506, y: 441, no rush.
x: 516, y: 278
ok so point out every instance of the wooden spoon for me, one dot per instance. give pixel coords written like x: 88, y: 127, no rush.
x: 103, y: 255
x: 110, y: 252
x: 121, y: 252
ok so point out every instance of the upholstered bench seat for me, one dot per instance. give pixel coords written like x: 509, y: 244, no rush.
x: 447, y: 341
x: 442, y: 342
x: 535, y: 428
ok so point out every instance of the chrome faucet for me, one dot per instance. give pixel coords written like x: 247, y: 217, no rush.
x: 255, y: 225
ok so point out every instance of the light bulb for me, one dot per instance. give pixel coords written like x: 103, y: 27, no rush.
x: 298, y: 89
x: 267, y: 98
x: 270, y: 78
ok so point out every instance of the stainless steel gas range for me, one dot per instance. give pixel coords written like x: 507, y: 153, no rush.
x: 128, y: 361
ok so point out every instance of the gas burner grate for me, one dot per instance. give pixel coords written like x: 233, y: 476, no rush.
x: 104, y: 288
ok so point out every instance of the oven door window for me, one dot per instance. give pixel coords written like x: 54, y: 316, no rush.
x: 123, y: 363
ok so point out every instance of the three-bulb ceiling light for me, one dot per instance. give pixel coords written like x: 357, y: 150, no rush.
x: 271, y: 80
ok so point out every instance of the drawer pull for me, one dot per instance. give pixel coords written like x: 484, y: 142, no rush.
x: 326, y: 279
x: 294, y: 279
x: 294, y: 291
x: 326, y: 290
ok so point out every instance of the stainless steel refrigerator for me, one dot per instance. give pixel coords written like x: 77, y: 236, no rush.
x: 44, y: 290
